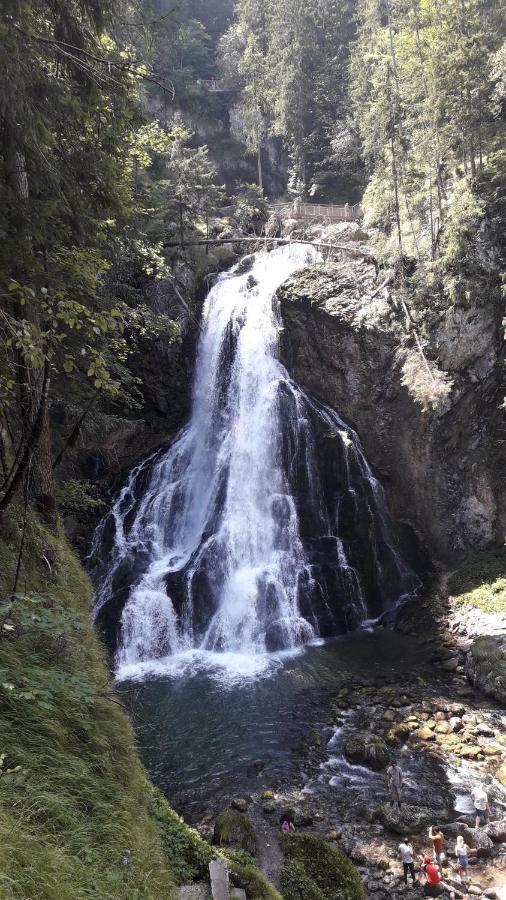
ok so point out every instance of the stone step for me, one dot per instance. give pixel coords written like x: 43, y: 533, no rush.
x: 237, y: 894
x: 194, y: 892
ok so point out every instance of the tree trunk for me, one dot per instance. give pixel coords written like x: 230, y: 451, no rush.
x: 259, y: 163
x: 181, y: 223
x: 33, y: 385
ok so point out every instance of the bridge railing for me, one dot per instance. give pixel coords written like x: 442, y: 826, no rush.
x: 308, y: 211
x: 216, y: 85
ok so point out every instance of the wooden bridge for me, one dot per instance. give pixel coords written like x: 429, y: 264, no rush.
x: 312, y: 211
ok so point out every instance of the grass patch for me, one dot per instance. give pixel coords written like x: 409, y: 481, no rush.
x: 235, y: 829
x: 76, y: 800
x: 480, y: 582
x: 315, y: 870
x: 488, y: 656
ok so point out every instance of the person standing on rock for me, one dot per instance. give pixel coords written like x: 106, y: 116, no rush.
x: 438, y: 843
x: 433, y: 877
x: 406, y: 853
x: 481, y: 804
x: 462, y: 852
x: 395, y: 780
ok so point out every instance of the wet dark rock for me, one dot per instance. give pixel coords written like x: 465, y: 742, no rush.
x: 303, y: 819
x: 497, y: 831
x: 479, y: 839
x: 240, y: 804
x: 409, y: 819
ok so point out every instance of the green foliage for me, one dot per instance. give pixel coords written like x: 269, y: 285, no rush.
x: 188, y: 856
x: 424, y: 78
x: 290, y: 62
x: 189, y: 183
x: 297, y: 885
x: 76, y: 496
x: 235, y: 828
x: 315, y: 869
x: 480, y: 582
x: 250, y: 209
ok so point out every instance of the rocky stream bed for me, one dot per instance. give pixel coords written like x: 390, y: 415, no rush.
x: 447, y: 738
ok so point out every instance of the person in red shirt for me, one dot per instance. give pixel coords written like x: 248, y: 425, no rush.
x: 433, y: 876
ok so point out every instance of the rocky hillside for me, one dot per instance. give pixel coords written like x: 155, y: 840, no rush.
x: 426, y: 410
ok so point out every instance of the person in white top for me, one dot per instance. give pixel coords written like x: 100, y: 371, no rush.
x: 481, y: 804
x: 462, y: 852
x: 406, y: 854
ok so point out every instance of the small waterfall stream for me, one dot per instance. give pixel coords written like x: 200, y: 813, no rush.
x: 261, y: 528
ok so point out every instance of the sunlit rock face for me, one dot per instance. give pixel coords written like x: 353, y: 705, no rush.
x: 431, y: 437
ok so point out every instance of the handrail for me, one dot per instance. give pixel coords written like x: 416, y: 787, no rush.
x: 320, y: 210
x: 264, y: 241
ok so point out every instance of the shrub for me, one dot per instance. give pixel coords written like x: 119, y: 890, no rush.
x: 233, y: 828
x: 315, y: 870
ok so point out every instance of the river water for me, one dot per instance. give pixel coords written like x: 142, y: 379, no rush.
x: 207, y: 737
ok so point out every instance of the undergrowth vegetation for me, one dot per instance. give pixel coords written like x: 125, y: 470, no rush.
x: 315, y: 870
x: 481, y: 582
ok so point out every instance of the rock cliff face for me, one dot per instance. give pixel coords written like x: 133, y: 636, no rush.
x: 346, y: 343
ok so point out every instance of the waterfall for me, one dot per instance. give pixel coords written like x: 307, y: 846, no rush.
x: 261, y: 527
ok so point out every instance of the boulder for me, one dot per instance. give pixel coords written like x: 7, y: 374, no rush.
x: 485, y: 730
x: 442, y: 727
x: 455, y: 723
x: 366, y: 750
x: 478, y: 838
x: 450, y: 665
x: 501, y: 774
x: 497, y: 831
x: 409, y: 819
x: 425, y: 734
x: 240, y: 804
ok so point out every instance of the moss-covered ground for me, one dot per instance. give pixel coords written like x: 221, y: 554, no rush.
x: 480, y: 582
x: 78, y: 816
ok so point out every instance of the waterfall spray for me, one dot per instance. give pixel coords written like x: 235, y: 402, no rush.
x: 245, y: 538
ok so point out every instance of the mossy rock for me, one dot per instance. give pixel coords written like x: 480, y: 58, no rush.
x: 397, y: 734
x: 234, y: 829
x: 316, y: 870
x: 501, y: 774
x: 366, y: 750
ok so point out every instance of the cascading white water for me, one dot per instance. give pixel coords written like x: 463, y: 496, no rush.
x: 209, y: 532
